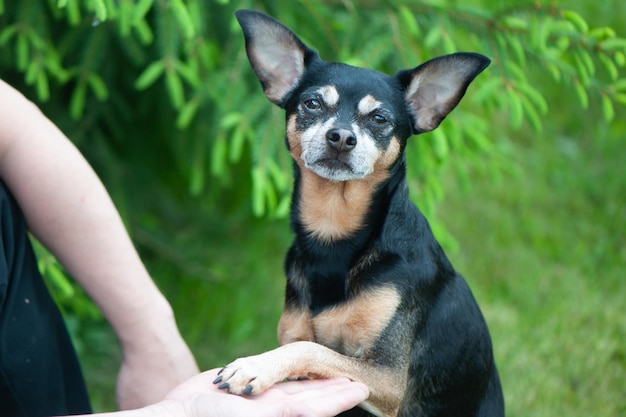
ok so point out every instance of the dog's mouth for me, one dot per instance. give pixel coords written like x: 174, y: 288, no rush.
x: 334, y: 169
x: 335, y: 164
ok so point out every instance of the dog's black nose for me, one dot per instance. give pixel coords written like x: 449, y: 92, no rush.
x: 342, y: 140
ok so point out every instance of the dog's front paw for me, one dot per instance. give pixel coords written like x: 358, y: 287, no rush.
x: 247, y: 376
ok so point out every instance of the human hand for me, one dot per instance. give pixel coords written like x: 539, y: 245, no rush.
x: 199, y: 397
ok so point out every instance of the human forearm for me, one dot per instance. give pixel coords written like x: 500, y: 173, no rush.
x: 68, y: 209
x: 78, y: 223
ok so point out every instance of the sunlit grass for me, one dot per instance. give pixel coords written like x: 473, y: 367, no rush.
x: 544, y: 253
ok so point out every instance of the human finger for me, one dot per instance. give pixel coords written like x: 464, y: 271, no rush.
x: 332, y: 399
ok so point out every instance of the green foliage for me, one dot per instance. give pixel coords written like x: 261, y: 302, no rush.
x: 185, y: 58
x: 159, y: 96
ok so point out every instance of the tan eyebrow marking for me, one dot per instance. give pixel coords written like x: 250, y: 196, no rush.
x: 330, y: 95
x: 368, y: 104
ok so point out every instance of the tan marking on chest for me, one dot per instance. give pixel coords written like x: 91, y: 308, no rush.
x: 354, y: 327
x: 334, y: 210
x: 295, y: 326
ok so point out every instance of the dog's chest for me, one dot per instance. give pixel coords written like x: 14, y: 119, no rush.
x: 354, y: 326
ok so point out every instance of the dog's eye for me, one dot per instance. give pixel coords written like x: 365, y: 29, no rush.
x: 313, y: 104
x: 378, y: 119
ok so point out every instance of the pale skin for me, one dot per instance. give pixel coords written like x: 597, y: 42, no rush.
x: 199, y: 397
x: 68, y: 209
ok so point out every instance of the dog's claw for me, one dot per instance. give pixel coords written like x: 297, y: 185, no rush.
x: 225, y: 385
x: 247, y: 390
x: 217, y: 380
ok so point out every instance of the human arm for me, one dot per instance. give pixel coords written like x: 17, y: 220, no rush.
x: 68, y: 209
x: 199, y: 397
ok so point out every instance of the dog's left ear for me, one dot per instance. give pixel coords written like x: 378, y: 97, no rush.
x: 278, y: 57
x: 434, y: 88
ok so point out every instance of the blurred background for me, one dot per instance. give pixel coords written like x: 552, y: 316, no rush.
x: 524, y: 183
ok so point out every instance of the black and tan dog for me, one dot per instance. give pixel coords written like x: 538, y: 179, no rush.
x: 370, y: 293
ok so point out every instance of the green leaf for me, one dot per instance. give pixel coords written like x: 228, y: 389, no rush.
x: 98, y: 86
x: 189, y: 73
x: 77, y: 100
x: 183, y: 17
x: 100, y: 9
x: 60, y: 281
x: 278, y: 175
x: 197, y: 178
x: 614, y: 44
x: 607, y: 108
x: 150, y: 75
x: 218, y: 157
x: 175, y: 88
x: 619, y: 84
x: 610, y: 66
x: 125, y: 21
x: 577, y: 20
x: 31, y: 73
x: 409, y: 22
x: 237, y: 139
x: 22, y: 51
x: 7, y: 34
x: 602, y: 33
x: 587, y: 61
x: 516, y: 110
x: 258, y: 191
x: 230, y: 120
x: 555, y: 71
x: 187, y: 113
x: 284, y: 207
x: 486, y: 90
x: 535, y: 97
x: 141, y: 9
x: 146, y: 36
x: 562, y: 27
x: 515, y: 22
x: 73, y: 12
x: 581, y: 92
x: 540, y: 32
x: 433, y: 37
x: 620, y: 98
x: 517, y: 71
x: 581, y: 68
x: 440, y: 143
x: 532, y: 117
x: 43, y: 89
x: 479, y: 139
x: 517, y: 49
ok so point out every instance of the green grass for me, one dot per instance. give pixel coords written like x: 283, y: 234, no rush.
x: 544, y: 252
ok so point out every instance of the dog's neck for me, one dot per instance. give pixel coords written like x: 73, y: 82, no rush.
x: 330, y: 211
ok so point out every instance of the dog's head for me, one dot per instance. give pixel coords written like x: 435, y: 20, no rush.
x: 343, y: 122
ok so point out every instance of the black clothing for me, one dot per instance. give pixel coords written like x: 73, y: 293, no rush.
x: 39, y: 371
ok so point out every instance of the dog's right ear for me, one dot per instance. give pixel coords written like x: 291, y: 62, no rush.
x: 278, y: 57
